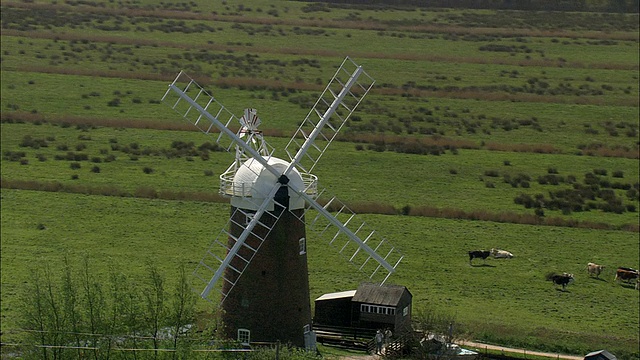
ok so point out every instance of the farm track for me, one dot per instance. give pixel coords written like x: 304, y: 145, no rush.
x: 343, y: 24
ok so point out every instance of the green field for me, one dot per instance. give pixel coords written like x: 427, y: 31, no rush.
x: 472, y: 111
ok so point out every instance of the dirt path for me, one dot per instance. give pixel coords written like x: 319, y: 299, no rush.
x: 481, y: 346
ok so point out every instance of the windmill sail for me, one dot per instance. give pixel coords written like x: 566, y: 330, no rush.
x: 333, y: 108
x: 354, y: 239
x: 228, y: 252
x: 201, y: 109
x: 373, y: 255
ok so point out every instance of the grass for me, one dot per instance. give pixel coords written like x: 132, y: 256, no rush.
x: 365, y: 182
x: 436, y: 271
x: 566, y: 87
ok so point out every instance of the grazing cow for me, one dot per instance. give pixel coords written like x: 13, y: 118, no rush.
x: 480, y: 254
x: 501, y: 254
x: 563, y: 279
x: 594, y: 269
x: 638, y: 283
x: 626, y: 274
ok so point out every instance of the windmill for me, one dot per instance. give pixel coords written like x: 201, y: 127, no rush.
x: 258, y: 262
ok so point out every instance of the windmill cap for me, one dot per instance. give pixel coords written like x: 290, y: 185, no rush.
x: 253, y: 182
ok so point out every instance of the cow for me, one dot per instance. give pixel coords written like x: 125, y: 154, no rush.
x: 480, y: 254
x: 563, y: 279
x: 626, y: 274
x: 596, y: 269
x: 501, y: 254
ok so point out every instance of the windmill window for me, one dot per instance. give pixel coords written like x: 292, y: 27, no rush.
x: 244, y: 336
x: 247, y: 219
x: 303, y: 246
x: 405, y: 311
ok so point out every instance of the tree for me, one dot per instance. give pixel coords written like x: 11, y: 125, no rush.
x: 436, y: 329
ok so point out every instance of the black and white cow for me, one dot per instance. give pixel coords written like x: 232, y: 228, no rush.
x: 563, y: 279
x: 501, y: 254
x: 479, y: 254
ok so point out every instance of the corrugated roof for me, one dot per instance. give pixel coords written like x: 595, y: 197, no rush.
x: 388, y: 295
x: 600, y: 355
x: 337, y: 295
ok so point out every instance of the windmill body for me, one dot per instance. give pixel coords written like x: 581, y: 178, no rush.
x: 258, y: 262
x: 271, y: 300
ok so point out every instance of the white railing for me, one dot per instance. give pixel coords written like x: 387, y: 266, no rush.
x: 229, y: 188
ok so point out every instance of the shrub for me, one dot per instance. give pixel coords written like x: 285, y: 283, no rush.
x: 146, y: 192
x: 491, y: 173
x: 95, y: 169
x: 74, y: 177
x: 208, y: 173
x: 618, y: 174
x: 147, y: 170
x: 74, y: 165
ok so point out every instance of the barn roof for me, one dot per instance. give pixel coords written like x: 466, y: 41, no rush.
x: 388, y: 295
x: 337, y: 295
x: 600, y: 355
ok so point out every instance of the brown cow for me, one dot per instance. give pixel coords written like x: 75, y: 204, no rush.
x: 626, y: 274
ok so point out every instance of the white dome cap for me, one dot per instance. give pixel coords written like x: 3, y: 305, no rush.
x: 252, y: 183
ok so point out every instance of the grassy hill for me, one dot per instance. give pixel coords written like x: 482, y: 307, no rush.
x: 486, y: 128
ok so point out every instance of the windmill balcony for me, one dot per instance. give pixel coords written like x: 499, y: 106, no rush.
x: 228, y: 187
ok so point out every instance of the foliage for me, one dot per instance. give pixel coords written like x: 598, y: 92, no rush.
x: 82, y: 315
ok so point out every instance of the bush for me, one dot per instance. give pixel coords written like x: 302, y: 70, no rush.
x: 74, y: 165
x: 147, y: 170
x: 95, y: 169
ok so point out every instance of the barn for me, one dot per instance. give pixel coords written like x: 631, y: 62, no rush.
x: 600, y: 355
x: 371, y: 306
